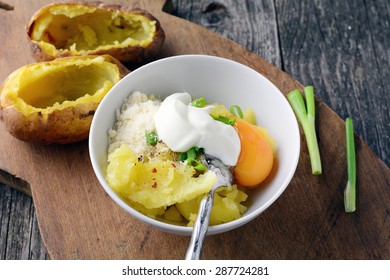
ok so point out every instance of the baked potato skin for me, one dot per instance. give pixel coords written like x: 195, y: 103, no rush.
x: 132, y: 54
x: 61, y: 126
x: 65, y: 126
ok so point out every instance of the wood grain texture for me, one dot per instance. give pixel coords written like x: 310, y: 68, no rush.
x: 308, y: 220
x: 342, y: 47
x: 19, y: 232
x: 251, y: 24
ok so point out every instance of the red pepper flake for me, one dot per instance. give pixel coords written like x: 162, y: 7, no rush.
x: 173, y: 165
x: 154, y: 185
x: 154, y: 170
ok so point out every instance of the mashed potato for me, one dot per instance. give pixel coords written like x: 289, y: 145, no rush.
x: 151, y: 178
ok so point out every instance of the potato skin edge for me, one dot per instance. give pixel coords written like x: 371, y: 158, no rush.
x: 63, y: 126
x: 133, y: 54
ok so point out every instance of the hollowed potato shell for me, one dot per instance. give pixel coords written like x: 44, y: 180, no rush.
x: 70, y: 29
x: 54, y: 102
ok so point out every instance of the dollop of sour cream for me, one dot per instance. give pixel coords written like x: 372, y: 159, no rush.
x: 182, y: 126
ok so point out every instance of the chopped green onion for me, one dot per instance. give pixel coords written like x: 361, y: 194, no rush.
x: 236, y: 110
x: 151, y: 137
x: 200, y: 102
x: 196, y: 164
x: 191, y: 153
x: 232, y: 121
x: 306, y: 116
x: 223, y: 119
x: 191, y: 157
x: 226, y: 120
x: 183, y: 156
x: 350, y: 189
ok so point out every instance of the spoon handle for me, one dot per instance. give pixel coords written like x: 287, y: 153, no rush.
x: 200, y: 227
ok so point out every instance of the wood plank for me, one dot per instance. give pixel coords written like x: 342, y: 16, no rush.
x: 251, y: 24
x: 342, y: 47
x: 81, y: 216
x: 18, y: 227
x: 330, y: 45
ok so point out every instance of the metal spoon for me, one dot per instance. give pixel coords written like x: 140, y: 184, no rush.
x: 224, y: 178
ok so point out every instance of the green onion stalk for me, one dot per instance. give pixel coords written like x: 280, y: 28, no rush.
x: 305, y: 113
x: 350, y: 189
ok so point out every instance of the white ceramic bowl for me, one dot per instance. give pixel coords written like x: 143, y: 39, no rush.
x: 218, y: 80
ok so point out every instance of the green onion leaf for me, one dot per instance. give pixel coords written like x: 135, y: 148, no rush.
x: 223, y: 119
x: 191, y: 157
x: 350, y: 189
x: 306, y: 116
x: 226, y: 120
x: 191, y: 153
x: 200, y: 102
x: 236, y: 110
x: 151, y: 137
x: 183, y: 156
x: 196, y: 164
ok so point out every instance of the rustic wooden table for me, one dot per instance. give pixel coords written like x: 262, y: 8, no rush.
x: 340, y: 47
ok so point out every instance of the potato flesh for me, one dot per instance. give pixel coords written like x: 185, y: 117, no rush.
x: 227, y: 206
x: 154, y: 184
x: 80, y: 28
x: 29, y: 84
x: 167, y: 191
x: 50, y: 85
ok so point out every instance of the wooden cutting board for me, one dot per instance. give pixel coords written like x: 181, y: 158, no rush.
x: 78, y: 220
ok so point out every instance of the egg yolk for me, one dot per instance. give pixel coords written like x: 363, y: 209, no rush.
x: 256, y: 156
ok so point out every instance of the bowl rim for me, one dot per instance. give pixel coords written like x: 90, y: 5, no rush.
x: 178, y: 229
